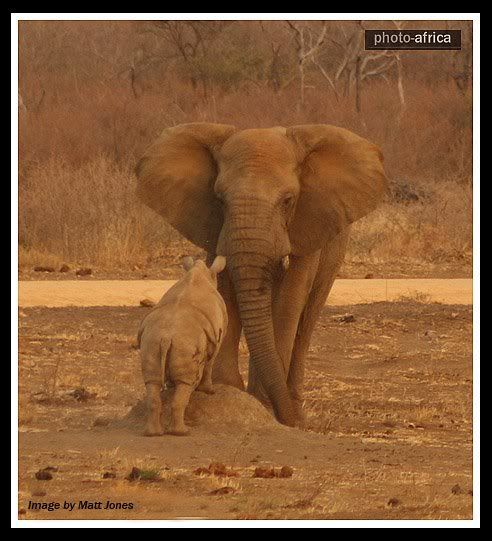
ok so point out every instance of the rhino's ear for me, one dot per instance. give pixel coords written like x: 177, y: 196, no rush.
x: 176, y: 178
x: 188, y: 263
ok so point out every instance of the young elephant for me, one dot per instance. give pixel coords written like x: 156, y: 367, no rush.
x: 179, y: 340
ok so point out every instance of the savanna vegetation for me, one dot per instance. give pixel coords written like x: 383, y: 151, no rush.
x: 94, y: 94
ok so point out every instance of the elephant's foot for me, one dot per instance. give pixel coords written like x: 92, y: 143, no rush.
x: 153, y: 429
x: 179, y: 431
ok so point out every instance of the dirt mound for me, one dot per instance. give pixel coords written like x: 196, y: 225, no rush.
x: 227, y: 409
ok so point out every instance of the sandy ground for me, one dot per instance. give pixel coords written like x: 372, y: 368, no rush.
x: 389, y: 432
x: 344, y: 292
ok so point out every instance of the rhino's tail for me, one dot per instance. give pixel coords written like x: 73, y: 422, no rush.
x: 166, y: 344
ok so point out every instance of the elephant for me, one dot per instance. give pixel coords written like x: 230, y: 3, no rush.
x: 278, y: 204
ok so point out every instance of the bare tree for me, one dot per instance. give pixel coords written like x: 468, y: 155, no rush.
x: 307, y: 47
x: 357, y: 65
x: 190, y: 41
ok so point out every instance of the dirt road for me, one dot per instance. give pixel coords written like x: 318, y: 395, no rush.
x: 345, y: 292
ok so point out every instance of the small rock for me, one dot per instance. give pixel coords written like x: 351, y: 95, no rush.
x: 83, y: 272
x: 134, y: 475
x: 64, y: 268
x: 264, y: 473
x: 457, y: 490
x: 109, y: 475
x: 81, y: 394
x: 369, y: 276
x: 147, y: 303
x: 43, y: 475
x: 38, y: 493
x: 44, y: 269
x: 346, y: 318
x: 286, y: 471
x: 101, y: 421
x: 222, y: 490
x: 393, y: 502
x: 22, y: 511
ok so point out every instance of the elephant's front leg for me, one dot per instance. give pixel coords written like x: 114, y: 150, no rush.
x: 290, y: 293
x: 330, y: 261
x: 226, y: 365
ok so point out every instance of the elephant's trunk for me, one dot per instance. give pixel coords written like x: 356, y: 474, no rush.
x: 251, y: 264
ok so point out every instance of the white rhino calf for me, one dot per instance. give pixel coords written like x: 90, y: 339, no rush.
x: 179, y: 340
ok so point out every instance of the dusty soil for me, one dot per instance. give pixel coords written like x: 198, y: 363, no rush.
x: 388, y: 400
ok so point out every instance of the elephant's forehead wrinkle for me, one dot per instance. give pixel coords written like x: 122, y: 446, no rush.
x: 258, y: 150
x: 257, y: 167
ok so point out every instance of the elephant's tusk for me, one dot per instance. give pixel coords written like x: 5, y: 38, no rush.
x: 285, y: 262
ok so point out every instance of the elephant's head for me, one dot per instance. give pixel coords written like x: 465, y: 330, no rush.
x: 257, y: 196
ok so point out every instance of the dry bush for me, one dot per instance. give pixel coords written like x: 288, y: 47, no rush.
x: 86, y: 121
x: 87, y: 213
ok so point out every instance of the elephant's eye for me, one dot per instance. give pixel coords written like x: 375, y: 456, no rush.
x: 288, y: 201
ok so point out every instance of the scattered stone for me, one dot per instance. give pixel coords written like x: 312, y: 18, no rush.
x: 38, y: 493
x: 264, y: 473
x: 216, y: 468
x: 457, y: 490
x: 109, y: 475
x: 44, y: 269
x: 346, y: 318
x: 286, y: 471
x: 133, y: 475
x: 43, y: 475
x: 64, y: 268
x: 81, y: 394
x: 147, y: 303
x: 393, y: 502
x: 222, y: 490
x: 369, y: 276
x: 270, y: 473
x: 22, y: 511
x: 83, y: 272
x: 101, y: 421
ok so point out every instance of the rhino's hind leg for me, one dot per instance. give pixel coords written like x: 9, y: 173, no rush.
x: 206, y: 381
x: 153, y: 425
x: 181, y: 397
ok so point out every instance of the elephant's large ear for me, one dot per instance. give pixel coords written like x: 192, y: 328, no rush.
x: 342, y: 179
x: 176, y: 178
